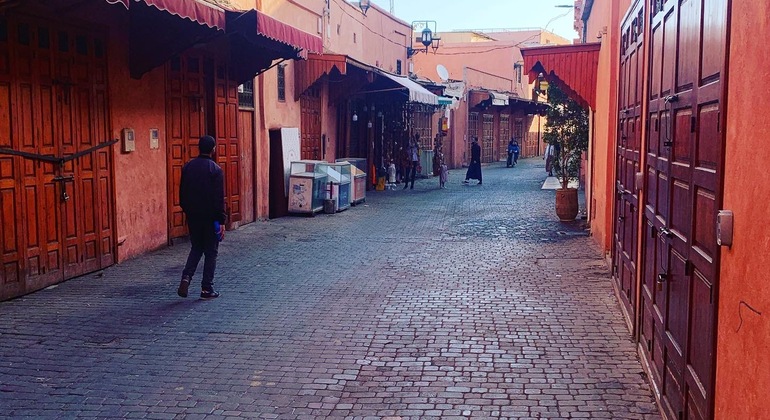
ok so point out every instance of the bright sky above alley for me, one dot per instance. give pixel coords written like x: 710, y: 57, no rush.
x: 483, y: 14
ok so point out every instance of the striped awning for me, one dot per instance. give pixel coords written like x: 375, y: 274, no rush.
x: 572, y: 67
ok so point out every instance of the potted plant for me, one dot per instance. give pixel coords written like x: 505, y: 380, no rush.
x: 566, y: 130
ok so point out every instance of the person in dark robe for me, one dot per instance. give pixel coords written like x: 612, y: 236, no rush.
x: 474, y: 169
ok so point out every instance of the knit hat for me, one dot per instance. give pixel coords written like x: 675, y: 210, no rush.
x: 206, y: 144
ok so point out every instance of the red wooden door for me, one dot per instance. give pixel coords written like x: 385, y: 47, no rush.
x: 488, y: 137
x: 310, y: 106
x: 201, y: 100
x: 685, y: 149
x: 56, y: 219
x: 228, y: 142
x: 628, y: 158
x: 186, y: 123
x: 504, y: 136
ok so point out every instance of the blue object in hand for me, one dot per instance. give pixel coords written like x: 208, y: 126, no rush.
x: 216, y: 230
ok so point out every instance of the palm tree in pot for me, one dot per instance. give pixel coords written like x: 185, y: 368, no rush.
x: 566, y: 129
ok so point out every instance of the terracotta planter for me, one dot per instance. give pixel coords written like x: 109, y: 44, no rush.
x: 567, y: 204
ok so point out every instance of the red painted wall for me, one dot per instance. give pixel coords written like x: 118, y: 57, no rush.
x: 743, y: 340
x: 140, y: 176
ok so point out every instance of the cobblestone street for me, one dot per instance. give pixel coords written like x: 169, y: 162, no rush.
x: 467, y: 302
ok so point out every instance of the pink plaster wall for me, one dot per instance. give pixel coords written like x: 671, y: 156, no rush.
x: 743, y: 337
x: 494, y: 57
x: 140, y: 176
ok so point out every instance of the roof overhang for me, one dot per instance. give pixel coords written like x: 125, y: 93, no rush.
x: 417, y: 93
x: 160, y: 29
x: 572, y: 67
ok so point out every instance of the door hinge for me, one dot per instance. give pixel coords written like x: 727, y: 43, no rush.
x: 688, y: 267
x: 649, y: 345
x: 692, y: 124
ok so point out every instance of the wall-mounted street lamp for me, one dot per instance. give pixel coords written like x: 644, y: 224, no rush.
x: 427, y: 37
x: 364, y: 5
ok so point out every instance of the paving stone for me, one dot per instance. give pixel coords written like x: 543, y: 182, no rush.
x: 467, y: 302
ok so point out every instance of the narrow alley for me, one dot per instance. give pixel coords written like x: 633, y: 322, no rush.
x: 467, y: 302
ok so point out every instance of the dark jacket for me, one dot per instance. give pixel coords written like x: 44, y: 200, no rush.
x: 475, y: 153
x: 202, y: 190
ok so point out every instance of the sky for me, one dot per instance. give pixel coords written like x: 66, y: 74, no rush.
x: 485, y: 14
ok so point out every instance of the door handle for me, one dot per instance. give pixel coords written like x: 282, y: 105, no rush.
x: 664, y: 231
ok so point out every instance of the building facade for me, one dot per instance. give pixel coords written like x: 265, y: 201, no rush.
x: 103, y: 102
x: 673, y: 158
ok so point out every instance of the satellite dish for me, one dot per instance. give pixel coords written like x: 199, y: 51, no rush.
x: 443, y: 73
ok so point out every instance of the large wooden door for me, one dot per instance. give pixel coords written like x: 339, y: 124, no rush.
x: 186, y: 123
x: 228, y: 141
x: 310, y: 106
x: 685, y: 149
x: 504, y: 137
x: 488, y: 137
x: 201, y: 100
x: 57, y: 218
x: 627, y: 159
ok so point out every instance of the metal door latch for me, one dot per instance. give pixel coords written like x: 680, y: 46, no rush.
x: 62, y: 179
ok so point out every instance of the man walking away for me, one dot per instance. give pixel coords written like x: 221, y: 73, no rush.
x: 202, y: 197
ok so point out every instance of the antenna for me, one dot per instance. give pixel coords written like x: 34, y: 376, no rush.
x: 443, y: 73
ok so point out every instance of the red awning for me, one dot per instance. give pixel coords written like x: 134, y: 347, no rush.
x: 258, y: 28
x: 316, y: 66
x: 572, y: 67
x: 204, y: 12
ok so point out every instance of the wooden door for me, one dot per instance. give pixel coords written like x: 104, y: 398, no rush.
x: 504, y: 136
x: 310, y: 107
x: 685, y: 150
x: 627, y: 162
x: 186, y: 123
x: 57, y: 218
x: 488, y: 137
x: 228, y: 141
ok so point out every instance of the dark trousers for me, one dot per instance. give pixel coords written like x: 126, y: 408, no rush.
x: 515, y: 158
x: 204, y: 241
x: 411, y: 173
x: 509, y: 162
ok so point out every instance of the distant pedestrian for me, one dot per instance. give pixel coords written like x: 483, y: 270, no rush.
x: 202, y: 197
x: 413, y: 152
x: 474, y: 169
x: 516, y: 150
x: 549, y: 156
x: 443, y: 176
x: 509, y: 162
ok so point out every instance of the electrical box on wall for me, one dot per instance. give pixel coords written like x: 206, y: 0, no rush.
x: 154, y: 138
x: 725, y: 228
x: 128, y: 139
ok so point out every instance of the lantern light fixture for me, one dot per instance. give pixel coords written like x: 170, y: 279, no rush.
x: 364, y: 5
x: 427, y: 37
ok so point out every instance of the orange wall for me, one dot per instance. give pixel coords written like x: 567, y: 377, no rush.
x: 140, y: 176
x: 743, y: 368
x: 601, y: 175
